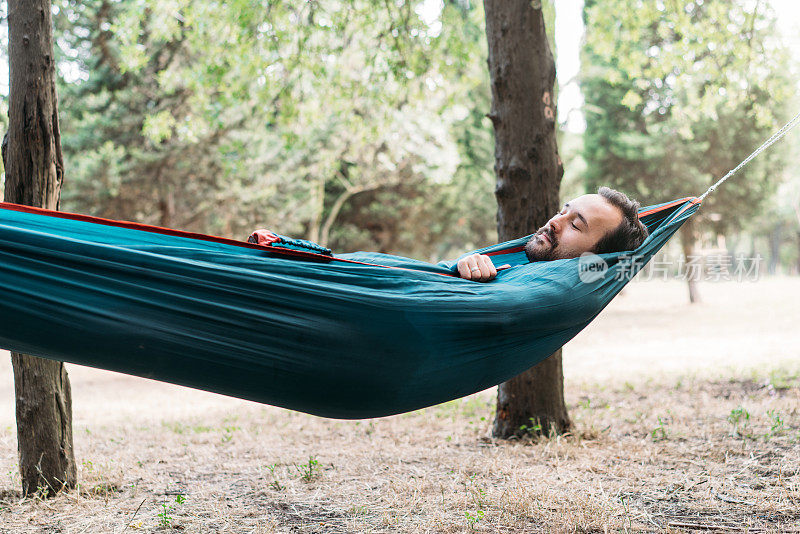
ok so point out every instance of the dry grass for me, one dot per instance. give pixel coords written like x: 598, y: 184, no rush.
x: 686, y: 418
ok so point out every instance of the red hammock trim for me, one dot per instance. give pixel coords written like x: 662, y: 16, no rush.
x: 286, y: 252
x: 518, y: 248
x: 692, y: 200
x: 191, y: 235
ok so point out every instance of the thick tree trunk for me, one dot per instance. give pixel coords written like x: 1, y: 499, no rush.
x: 34, y: 171
x: 529, y: 171
x: 533, y: 402
x: 693, y: 268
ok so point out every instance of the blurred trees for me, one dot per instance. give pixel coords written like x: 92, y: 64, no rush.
x: 354, y: 124
x: 779, y: 228
x: 363, y: 125
x: 676, y: 95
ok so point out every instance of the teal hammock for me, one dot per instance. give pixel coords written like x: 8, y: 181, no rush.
x: 347, y: 336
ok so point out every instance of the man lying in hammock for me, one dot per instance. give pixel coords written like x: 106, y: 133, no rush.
x: 604, y: 222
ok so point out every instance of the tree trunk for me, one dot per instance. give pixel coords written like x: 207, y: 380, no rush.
x: 796, y: 207
x: 688, y: 240
x: 797, y: 266
x: 529, y: 172
x: 775, y: 238
x: 166, y: 204
x: 34, y: 171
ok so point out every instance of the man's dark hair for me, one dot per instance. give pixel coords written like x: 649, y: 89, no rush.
x: 630, y: 233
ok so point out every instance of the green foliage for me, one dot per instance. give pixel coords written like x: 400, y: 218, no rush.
x: 309, y: 470
x: 739, y: 418
x: 660, y: 432
x: 474, y: 519
x: 782, y: 379
x: 677, y: 94
x: 479, y: 500
x: 165, y: 519
x: 533, y: 429
x: 339, y: 121
x: 276, y: 483
x: 777, y: 425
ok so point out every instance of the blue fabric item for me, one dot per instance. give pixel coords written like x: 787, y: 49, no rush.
x: 301, y: 244
x: 315, y: 334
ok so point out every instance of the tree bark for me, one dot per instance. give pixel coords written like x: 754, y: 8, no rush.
x: 775, y: 240
x: 797, y: 265
x: 34, y: 172
x: 796, y: 207
x: 529, y: 171
x: 688, y: 241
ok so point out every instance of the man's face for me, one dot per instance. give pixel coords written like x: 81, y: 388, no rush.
x: 574, y: 230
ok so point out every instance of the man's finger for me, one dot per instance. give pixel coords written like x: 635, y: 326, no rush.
x: 475, y: 270
x: 470, y: 272
x: 491, y: 272
x: 463, y: 269
x: 486, y: 267
x: 481, y: 261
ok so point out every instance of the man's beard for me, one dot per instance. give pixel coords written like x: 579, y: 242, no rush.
x: 537, y: 249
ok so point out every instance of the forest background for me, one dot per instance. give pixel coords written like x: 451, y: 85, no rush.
x: 363, y: 125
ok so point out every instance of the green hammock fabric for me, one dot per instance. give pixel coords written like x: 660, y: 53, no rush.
x: 349, y: 336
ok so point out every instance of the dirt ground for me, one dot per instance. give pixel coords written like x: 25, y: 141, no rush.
x: 686, y: 418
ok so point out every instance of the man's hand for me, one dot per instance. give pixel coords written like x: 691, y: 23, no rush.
x: 476, y: 267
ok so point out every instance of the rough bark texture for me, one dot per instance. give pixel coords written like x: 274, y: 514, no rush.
x: 34, y: 171
x: 529, y: 172
x: 688, y: 241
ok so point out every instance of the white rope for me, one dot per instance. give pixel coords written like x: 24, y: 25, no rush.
x: 769, y: 142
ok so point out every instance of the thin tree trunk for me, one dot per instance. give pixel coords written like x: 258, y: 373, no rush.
x: 775, y: 238
x: 34, y: 172
x: 797, y: 266
x: 166, y: 205
x: 166, y: 208
x: 325, y: 232
x: 688, y: 241
x: 314, y: 226
x: 529, y: 172
x: 796, y: 207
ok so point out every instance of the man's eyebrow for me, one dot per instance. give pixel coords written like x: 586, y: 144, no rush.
x: 581, y: 217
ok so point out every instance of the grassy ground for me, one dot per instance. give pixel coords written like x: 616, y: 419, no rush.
x: 686, y: 418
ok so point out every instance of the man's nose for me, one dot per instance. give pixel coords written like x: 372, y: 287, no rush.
x: 558, y: 221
